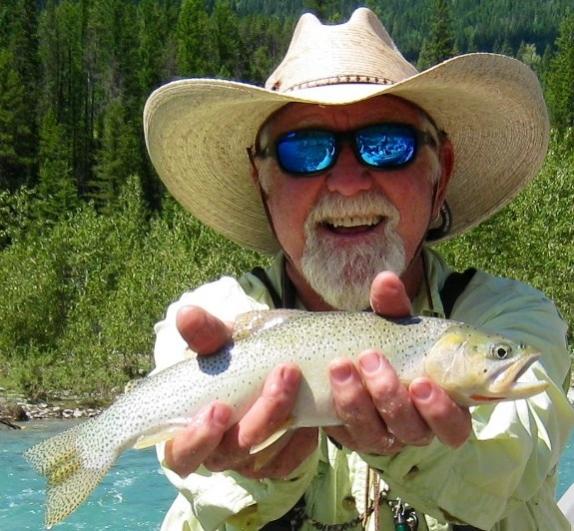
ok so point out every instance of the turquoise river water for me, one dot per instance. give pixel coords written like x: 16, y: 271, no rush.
x: 134, y: 495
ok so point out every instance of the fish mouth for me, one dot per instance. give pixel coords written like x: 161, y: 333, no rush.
x: 505, y: 384
x: 352, y: 224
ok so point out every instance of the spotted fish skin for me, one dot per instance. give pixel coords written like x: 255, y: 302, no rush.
x: 340, y: 334
x: 456, y: 356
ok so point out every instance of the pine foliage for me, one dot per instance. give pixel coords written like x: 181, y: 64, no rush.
x: 23, y: 45
x: 91, y: 248
x: 560, y: 79
x: 87, y: 62
x: 12, y: 127
x: 56, y: 191
x: 196, y: 45
x: 440, y: 44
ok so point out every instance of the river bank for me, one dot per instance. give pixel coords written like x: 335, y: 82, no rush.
x: 16, y: 409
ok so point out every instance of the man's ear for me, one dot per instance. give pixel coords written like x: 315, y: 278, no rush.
x: 255, y: 179
x: 254, y: 174
x: 446, y: 159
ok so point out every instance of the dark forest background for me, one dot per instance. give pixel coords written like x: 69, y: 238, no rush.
x: 92, y: 249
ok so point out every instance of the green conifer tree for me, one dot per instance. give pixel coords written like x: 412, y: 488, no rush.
x: 440, y: 44
x: 196, y: 45
x: 545, y: 66
x: 12, y: 127
x: 324, y: 10
x: 560, y: 79
x: 68, y: 81
x: 528, y: 55
x: 114, y: 59
x: 21, y: 40
x: 151, y: 25
x: 118, y: 156
x: 505, y: 48
x: 4, y: 18
x: 57, y: 191
x: 153, y: 67
x: 225, y: 24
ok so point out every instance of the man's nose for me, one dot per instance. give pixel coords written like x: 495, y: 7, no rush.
x: 348, y: 176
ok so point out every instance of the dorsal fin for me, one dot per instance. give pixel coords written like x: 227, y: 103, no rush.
x: 253, y: 322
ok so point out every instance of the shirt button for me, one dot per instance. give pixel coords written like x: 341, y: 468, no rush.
x: 348, y: 503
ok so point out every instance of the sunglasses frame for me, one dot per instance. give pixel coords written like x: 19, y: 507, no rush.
x: 350, y: 137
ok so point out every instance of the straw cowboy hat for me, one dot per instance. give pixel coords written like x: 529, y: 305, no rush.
x: 491, y: 107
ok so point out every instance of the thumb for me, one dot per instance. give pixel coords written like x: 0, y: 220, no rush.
x: 389, y: 296
x: 202, y: 331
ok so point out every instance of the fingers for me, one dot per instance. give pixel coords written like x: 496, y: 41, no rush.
x: 271, y: 411
x: 185, y: 452
x: 426, y: 404
x: 203, y: 332
x: 450, y: 422
x: 389, y: 297
x: 294, y: 449
x: 363, y: 429
x: 209, y: 439
x: 381, y: 415
x: 219, y: 447
x: 391, y: 400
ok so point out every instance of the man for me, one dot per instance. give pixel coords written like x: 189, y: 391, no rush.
x: 345, y: 164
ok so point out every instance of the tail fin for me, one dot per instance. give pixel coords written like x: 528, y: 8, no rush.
x: 70, y: 481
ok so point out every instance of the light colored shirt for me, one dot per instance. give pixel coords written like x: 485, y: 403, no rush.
x: 503, y: 478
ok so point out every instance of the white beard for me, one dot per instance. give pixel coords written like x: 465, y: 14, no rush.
x: 342, y: 275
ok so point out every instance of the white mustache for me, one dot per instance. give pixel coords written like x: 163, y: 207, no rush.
x: 366, y: 205
x: 342, y: 275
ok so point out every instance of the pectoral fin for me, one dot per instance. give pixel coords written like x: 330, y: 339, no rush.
x: 273, y: 438
x: 267, y: 450
x: 151, y: 438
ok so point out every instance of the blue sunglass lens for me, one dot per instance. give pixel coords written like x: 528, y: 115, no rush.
x: 306, y: 152
x: 386, y: 146
x: 383, y: 146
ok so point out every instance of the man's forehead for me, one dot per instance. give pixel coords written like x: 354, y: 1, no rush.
x: 384, y: 107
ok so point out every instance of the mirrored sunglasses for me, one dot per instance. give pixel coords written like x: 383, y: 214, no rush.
x: 385, y: 146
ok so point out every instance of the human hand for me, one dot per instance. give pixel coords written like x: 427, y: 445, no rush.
x: 212, y: 439
x: 380, y: 415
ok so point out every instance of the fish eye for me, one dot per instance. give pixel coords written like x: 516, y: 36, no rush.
x: 501, y: 351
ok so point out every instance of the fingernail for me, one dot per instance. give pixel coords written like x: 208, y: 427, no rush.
x: 421, y: 390
x: 341, y: 373
x: 220, y: 415
x: 289, y: 377
x: 370, y: 362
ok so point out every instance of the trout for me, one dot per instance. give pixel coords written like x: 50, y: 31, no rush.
x: 474, y: 367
